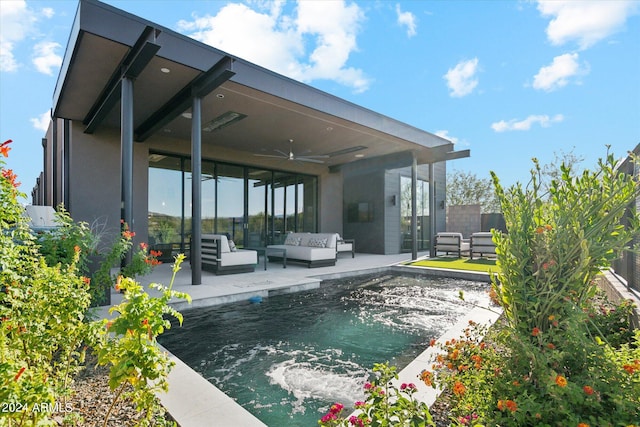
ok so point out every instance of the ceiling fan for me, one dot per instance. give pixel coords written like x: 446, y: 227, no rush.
x: 291, y: 156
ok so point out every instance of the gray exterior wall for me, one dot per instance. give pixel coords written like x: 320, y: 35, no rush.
x: 94, y: 174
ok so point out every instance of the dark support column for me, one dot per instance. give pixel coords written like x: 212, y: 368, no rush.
x: 45, y: 172
x: 414, y: 208
x: 432, y: 211
x: 65, y: 164
x: 196, y: 191
x: 126, y: 156
x: 54, y: 165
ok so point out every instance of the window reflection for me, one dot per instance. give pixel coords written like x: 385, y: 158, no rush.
x: 255, y: 207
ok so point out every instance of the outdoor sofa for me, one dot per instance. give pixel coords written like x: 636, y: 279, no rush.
x: 222, y: 257
x: 482, y: 243
x: 449, y: 242
x: 313, y: 249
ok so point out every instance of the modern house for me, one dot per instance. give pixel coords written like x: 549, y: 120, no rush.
x: 179, y: 138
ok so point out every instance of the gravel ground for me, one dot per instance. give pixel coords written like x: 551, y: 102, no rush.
x: 92, y: 399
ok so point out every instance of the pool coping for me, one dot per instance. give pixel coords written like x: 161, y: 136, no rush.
x: 193, y: 401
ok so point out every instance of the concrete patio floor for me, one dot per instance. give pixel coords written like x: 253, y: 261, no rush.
x: 191, y: 399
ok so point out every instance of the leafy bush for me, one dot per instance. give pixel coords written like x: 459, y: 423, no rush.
x: 44, y: 330
x: 559, y: 360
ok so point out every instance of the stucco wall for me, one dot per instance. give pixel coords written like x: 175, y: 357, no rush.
x: 94, y: 175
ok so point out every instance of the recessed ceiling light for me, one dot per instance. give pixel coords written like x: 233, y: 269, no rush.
x: 187, y: 115
x: 220, y: 95
x: 359, y: 155
x: 165, y: 70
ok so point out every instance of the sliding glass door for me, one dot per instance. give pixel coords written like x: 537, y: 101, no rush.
x: 255, y: 207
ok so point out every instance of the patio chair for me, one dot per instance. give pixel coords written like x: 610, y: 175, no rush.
x: 451, y: 243
x: 346, y: 245
x: 482, y: 244
x: 218, y: 256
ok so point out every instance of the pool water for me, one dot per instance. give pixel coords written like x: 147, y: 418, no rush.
x: 288, y: 358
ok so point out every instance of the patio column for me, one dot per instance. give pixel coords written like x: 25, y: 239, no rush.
x: 196, y: 191
x: 414, y: 208
x: 126, y: 156
x: 432, y: 211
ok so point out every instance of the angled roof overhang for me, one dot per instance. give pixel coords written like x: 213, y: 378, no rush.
x: 106, y: 43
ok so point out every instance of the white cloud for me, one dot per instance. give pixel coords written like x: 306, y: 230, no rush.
x: 41, y: 122
x: 461, y: 79
x: 586, y: 22
x: 445, y: 134
x: 558, y: 74
x: 543, y: 120
x: 17, y: 23
x: 312, y: 43
x: 45, y: 57
x: 407, y: 19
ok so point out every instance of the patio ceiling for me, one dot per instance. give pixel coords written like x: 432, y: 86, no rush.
x: 277, y: 108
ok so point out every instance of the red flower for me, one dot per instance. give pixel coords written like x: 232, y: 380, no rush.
x: 143, y: 246
x: 145, y: 322
x: 535, y: 332
x: 128, y: 234
x: 336, y: 408
x: 588, y: 390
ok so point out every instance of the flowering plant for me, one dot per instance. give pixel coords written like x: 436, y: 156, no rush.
x: 555, y: 360
x: 385, y: 404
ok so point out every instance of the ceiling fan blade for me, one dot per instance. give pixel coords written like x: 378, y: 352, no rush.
x: 319, y: 156
x: 308, y: 159
x: 283, y: 153
x: 272, y: 156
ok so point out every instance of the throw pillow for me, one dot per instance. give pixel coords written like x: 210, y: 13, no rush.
x: 293, y: 241
x: 232, y: 246
x: 316, y: 242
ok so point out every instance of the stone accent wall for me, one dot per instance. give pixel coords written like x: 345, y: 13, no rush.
x: 464, y: 219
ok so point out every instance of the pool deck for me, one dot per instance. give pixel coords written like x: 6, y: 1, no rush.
x: 193, y: 401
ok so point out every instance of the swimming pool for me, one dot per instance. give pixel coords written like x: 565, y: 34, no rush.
x: 287, y: 359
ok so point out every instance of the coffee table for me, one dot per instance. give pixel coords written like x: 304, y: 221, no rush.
x: 265, y: 252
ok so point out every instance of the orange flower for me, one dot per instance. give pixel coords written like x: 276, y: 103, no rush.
x: 583, y: 425
x: 535, y: 332
x: 143, y: 246
x: 86, y: 280
x: 427, y: 377
x: 76, y: 249
x: 11, y: 177
x: 108, y: 325
x: 511, y: 405
x: 561, y: 381
x: 118, y: 281
x: 551, y: 346
x: 548, y: 227
x: 540, y: 230
x: 551, y: 317
x: 145, y: 322
x: 4, y: 148
x: 19, y: 373
x: 454, y: 354
x: 459, y: 388
x: 432, y: 342
x: 588, y: 390
x: 629, y: 368
x: 128, y: 234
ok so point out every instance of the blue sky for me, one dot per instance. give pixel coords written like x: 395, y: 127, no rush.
x: 509, y: 80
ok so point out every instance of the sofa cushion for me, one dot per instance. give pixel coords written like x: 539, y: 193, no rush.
x: 317, y: 242
x: 224, y: 243
x: 239, y: 257
x: 293, y: 240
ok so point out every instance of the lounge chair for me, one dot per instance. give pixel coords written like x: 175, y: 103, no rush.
x: 451, y: 243
x: 482, y: 243
x: 346, y: 245
x: 218, y: 256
